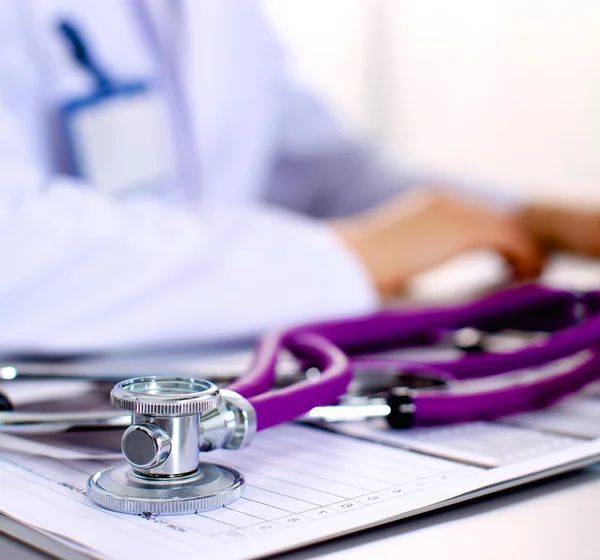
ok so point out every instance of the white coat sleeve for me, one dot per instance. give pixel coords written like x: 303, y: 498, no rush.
x: 82, y: 272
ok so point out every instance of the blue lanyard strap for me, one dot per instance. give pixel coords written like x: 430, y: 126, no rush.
x: 82, y: 54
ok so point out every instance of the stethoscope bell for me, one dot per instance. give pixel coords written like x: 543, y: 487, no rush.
x: 162, y: 447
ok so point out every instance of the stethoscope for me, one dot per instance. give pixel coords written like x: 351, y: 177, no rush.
x: 172, y: 418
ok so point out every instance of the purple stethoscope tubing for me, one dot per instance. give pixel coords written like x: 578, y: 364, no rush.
x: 277, y: 406
x: 333, y: 348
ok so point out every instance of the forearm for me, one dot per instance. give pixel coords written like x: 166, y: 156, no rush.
x: 563, y: 228
x: 412, y: 233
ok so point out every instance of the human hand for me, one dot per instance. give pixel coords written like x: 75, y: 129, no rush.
x: 563, y: 228
x: 417, y: 231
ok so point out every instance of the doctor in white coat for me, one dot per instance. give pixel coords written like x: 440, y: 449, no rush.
x: 161, y: 182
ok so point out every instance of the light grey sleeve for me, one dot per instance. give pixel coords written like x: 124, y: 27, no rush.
x: 322, y: 171
x: 319, y: 169
x: 336, y: 184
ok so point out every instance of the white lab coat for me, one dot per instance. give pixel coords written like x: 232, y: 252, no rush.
x: 238, y: 252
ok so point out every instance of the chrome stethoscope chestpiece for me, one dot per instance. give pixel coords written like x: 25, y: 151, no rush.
x: 162, y: 446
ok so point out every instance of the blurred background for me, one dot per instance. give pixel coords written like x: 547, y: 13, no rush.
x: 502, y: 90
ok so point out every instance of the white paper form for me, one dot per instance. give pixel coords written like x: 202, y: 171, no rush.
x: 506, y: 441
x: 486, y: 444
x: 304, y: 485
x: 296, y: 476
x: 578, y: 417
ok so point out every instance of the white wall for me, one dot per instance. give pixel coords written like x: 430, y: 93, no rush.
x: 328, y: 47
x: 505, y: 89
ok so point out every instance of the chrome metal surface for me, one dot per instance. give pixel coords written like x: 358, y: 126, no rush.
x: 163, y: 444
x: 183, y: 433
x: 165, y: 422
x: 165, y: 396
x: 145, y: 446
x: 99, y: 373
x: 223, y: 371
x: 120, y: 489
x: 357, y: 411
x: 230, y: 426
x: 53, y: 422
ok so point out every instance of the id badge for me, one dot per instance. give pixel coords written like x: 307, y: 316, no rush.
x: 119, y: 139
